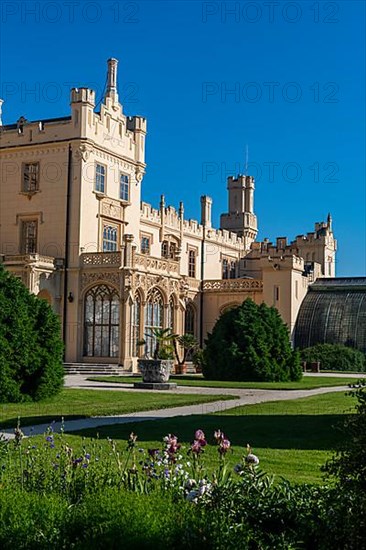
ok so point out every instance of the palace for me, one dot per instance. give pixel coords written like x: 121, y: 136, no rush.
x: 74, y: 230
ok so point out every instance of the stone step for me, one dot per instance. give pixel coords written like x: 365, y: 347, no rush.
x: 93, y: 369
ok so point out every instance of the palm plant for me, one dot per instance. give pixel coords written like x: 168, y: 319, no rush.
x: 188, y: 343
x: 163, y: 338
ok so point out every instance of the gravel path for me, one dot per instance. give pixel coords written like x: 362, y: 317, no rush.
x: 242, y: 397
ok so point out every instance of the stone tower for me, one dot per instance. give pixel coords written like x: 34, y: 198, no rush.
x: 240, y: 218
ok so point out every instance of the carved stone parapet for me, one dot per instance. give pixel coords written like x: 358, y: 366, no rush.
x: 233, y: 285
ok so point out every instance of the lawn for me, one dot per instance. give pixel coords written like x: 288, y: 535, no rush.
x: 292, y: 438
x: 73, y: 403
x: 306, y: 383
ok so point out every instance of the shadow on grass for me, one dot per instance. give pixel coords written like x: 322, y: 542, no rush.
x: 303, y: 432
x: 26, y: 421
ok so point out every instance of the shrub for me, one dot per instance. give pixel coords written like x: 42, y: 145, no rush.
x: 348, y: 468
x: 30, y: 344
x: 335, y: 357
x: 250, y: 343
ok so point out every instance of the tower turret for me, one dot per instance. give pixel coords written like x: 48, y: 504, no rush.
x: 240, y: 218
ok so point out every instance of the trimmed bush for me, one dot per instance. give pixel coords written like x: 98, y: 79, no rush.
x: 30, y: 344
x: 335, y: 357
x: 250, y: 343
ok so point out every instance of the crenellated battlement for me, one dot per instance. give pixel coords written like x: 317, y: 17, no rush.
x: 171, y: 218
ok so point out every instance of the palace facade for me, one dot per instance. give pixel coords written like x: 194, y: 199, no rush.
x: 73, y: 228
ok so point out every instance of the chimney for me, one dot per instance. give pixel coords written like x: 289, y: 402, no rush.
x: 111, y: 89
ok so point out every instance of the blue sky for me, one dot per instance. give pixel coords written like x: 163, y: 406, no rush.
x: 286, y: 79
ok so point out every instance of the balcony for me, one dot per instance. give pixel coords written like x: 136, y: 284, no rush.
x: 233, y: 285
x: 33, y: 260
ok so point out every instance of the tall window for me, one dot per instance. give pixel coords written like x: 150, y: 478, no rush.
x: 169, y: 250
x: 189, y: 319
x: 100, y: 178
x: 124, y: 187
x: 135, y: 325
x: 232, y: 271
x: 154, y: 318
x: 109, y: 238
x: 225, y: 269
x: 145, y: 245
x: 29, y: 237
x: 101, y: 322
x: 30, y: 177
x: 191, y: 263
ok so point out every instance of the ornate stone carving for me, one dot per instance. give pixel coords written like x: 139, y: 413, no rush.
x: 232, y: 285
x: 101, y: 258
x: 111, y: 208
x: 90, y: 278
x: 156, y: 264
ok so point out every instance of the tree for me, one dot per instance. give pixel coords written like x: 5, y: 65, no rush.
x: 250, y: 343
x: 30, y: 344
x: 347, y: 469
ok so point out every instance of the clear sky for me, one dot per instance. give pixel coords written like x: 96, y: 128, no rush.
x: 286, y: 79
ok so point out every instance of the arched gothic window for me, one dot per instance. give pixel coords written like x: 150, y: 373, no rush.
x: 101, y: 322
x: 189, y: 319
x: 154, y: 318
x: 135, y: 325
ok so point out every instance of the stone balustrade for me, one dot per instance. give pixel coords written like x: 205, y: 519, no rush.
x: 105, y: 259
x: 160, y: 265
x: 233, y: 285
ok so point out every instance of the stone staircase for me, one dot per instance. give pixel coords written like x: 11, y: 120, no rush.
x: 94, y: 369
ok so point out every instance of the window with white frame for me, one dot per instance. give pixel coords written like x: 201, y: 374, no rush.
x: 124, y: 187
x: 192, y: 263
x: 145, y: 244
x: 110, y: 234
x: 100, y: 173
x: 30, y: 177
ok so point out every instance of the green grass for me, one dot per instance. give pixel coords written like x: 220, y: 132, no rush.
x: 293, y: 438
x: 73, y: 403
x: 306, y: 383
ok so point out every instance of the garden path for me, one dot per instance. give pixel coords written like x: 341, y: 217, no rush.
x: 242, y: 397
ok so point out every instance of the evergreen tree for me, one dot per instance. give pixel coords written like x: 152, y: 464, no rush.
x: 250, y: 343
x: 30, y: 344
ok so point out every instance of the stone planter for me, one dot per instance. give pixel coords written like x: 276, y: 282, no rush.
x: 155, y: 370
x: 181, y: 369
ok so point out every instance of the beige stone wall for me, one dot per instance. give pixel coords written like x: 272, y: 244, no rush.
x: 68, y: 150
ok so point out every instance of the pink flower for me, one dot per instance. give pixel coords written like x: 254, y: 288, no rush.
x: 172, y: 445
x: 199, y: 435
x: 218, y: 435
x: 196, y: 447
x: 224, y: 446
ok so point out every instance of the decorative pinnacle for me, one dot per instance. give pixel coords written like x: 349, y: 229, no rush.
x: 111, y: 90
